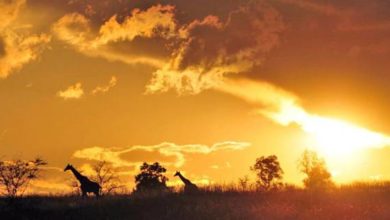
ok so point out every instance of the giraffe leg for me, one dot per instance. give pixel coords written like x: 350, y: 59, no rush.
x: 97, y: 194
x: 84, y: 194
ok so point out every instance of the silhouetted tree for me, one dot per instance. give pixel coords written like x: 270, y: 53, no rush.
x: 151, y: 177
x: 105, y: 175
x: 268, y: 171
x: 314, y: 167
x: 16, y: 175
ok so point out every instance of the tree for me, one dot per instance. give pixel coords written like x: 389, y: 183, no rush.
x: 151, y: 177
x: 16, y: 175
x: 314, y: 167
x: 105, y: 175
x: 268, y: 171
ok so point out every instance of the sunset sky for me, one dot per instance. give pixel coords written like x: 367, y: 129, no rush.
x: 204, y: 87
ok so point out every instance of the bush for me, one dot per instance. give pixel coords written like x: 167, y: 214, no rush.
x: 151, y: 178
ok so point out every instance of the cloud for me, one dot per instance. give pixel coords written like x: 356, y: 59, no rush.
x: 114, y: 154
x: 72, y: 92
x: 156, y: 22
x: 106, y: 88
x: 226, y: 165
x: 19, y: 50
x: 16, y: 49
x: 195, y: 55
x: 76, y: 91
x: 263, y: 94
x: 212, y: 48
x: 9, y: 11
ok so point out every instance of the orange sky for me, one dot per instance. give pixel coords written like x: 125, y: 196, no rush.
x: 202, y: 87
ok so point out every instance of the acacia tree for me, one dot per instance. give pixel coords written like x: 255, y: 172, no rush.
x: 16, y: 175
x: 314, y: 167
x: 268, y: 171
x: 151, y: 177
x: 106, y: 176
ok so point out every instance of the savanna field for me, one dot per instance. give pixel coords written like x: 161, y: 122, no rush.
x: 356, y: 201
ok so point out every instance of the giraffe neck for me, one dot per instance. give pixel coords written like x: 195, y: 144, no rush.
x: 78, y: 176
x: 185, y: 181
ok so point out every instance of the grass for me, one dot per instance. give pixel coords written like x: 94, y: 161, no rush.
x: 355, y: 201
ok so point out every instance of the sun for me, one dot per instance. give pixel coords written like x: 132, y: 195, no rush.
x: 329, y: 136
x: 334, y: 137
x: 342, y: 144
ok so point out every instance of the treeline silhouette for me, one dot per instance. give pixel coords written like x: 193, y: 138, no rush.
x: 15, y: 177
x: 265, y: 197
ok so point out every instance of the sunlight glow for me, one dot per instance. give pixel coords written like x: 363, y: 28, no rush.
x: 332, y: 137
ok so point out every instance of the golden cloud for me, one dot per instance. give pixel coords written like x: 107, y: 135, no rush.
x: 72, y: 92
x: 155, y: 22
x: 113, y: 155
x: 16, y: 49
x: 106, y: 88
x: 9, y: 11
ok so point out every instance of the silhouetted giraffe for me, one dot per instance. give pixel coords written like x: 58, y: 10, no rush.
x: 86, y: 185
x: 189, y: 187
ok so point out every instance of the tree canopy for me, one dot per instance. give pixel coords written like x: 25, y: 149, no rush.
x: 151, y: 177
x: 268, y: 171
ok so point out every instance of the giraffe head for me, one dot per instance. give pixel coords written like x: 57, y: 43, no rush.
x: 68, y: 167
x: 177, y: 173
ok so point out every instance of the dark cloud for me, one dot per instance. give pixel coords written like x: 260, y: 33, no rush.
x: 155, y: 47
x: 212, y: 48
x: 247, y: 34
x: 100, y: 11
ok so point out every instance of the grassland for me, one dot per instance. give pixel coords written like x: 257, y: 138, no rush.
x: 357, y: 201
